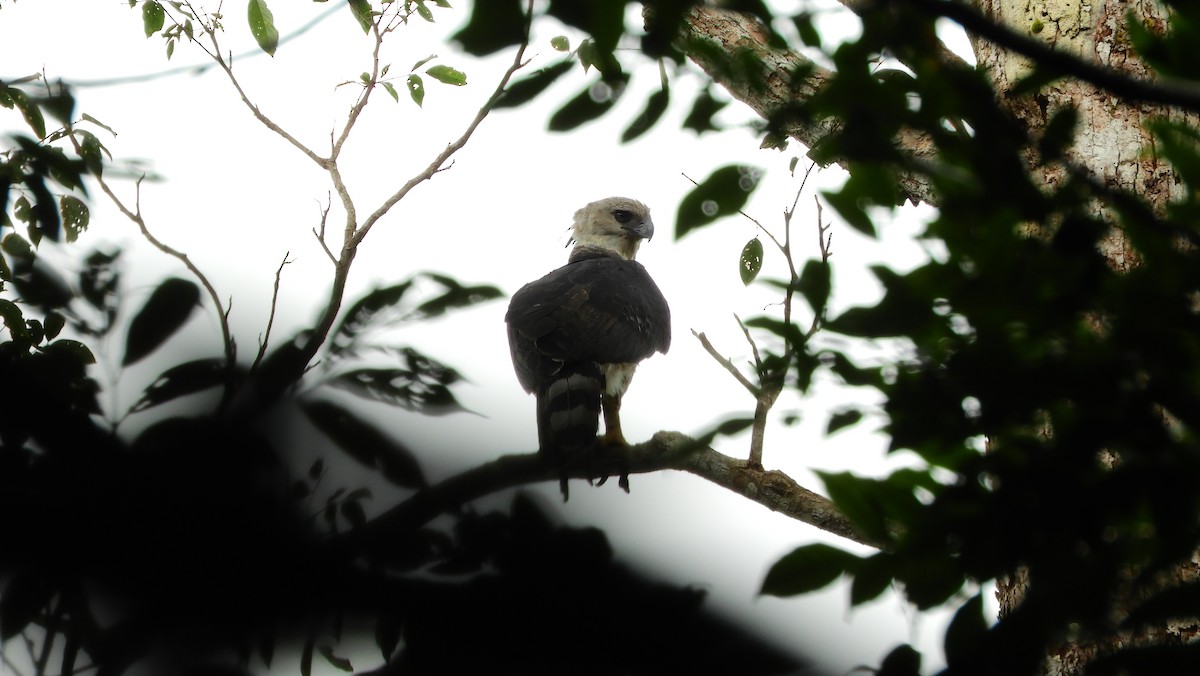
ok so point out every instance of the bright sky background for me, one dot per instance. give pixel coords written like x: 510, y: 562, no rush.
x: 237, y: 198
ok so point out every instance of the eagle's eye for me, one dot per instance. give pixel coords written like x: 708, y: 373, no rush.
x: 622, y: 215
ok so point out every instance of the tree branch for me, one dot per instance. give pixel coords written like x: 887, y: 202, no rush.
x: 1168, y: 92
x: 773, y: 489
x: 715, y: 39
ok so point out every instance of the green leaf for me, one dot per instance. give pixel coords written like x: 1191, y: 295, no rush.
x: 165, y: 312
x: 153, y: 17
x: 422, y: 62
x: 721, y: 194
x: 178, y: 381
x: 806, y: 569
x: 365, y: 443
x: 262, y: 26
x: 30, y: 111
x: 416, y: 88
x: 75, y: 216
x: 561, y: 43
x: 361, y: 9
x: 387, y: 86
x: 447, y: 75
x: 424, y: 11
x: 750, y: 262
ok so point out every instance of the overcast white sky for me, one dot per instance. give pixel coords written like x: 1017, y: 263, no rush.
x: 237, y: 198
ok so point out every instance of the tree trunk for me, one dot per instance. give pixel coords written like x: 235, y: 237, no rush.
x: 1113, y: 145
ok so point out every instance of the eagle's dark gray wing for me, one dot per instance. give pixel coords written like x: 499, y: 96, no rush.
x: 604, y: 310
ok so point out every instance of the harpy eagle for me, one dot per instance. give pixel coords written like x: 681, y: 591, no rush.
x: 577, y: 334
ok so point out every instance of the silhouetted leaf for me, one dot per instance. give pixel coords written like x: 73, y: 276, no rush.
x: 520, y: 92
x: 354, y: 513
x: 857, y: 498
x: 360, y: 315
x: 387, y: 636
x: 750, y: 262
x: 841, y: 419
x: 656, y: 105
x: 806, y: 569
x: 179, y: 381
x: 306, y: 655
x: 604, y: 20
x: 902, y: 661
x: 705, y: 107
x: 340, y: 663
x: 585, y: 106
x: 723, y: 193
x: 872, y: 577
x: 366, y: 443
x: 455, y: 295
x: 165, y: 312
x: 815, y: 285
x: 74, y: 349
x: 421, y: 385
x: 25, y: 595
x: 262, y: 25
x: 1058, y: 133
x: 964, y: 633
x: 492, y: 26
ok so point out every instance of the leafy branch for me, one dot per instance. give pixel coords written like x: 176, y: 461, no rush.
x: 377, y: 25
x: 770, y: 372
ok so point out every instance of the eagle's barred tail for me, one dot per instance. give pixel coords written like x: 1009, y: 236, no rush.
x: 568, y: 412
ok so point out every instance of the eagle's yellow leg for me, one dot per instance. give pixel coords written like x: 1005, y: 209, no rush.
x: 612, y: 432
x: 612, y: 421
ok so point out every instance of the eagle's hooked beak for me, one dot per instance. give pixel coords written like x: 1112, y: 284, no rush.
x: 643, y: 230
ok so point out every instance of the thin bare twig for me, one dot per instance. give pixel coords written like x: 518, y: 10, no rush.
x: 321, y: 235
x: 266, y: 337
x: 725, y: 362
x: 355, y: 235
x: 135, y: 215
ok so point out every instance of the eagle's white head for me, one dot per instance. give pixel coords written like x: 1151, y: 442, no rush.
x: 616, y: 224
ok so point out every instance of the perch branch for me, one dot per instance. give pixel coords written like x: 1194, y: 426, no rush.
x: 773, y: 489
